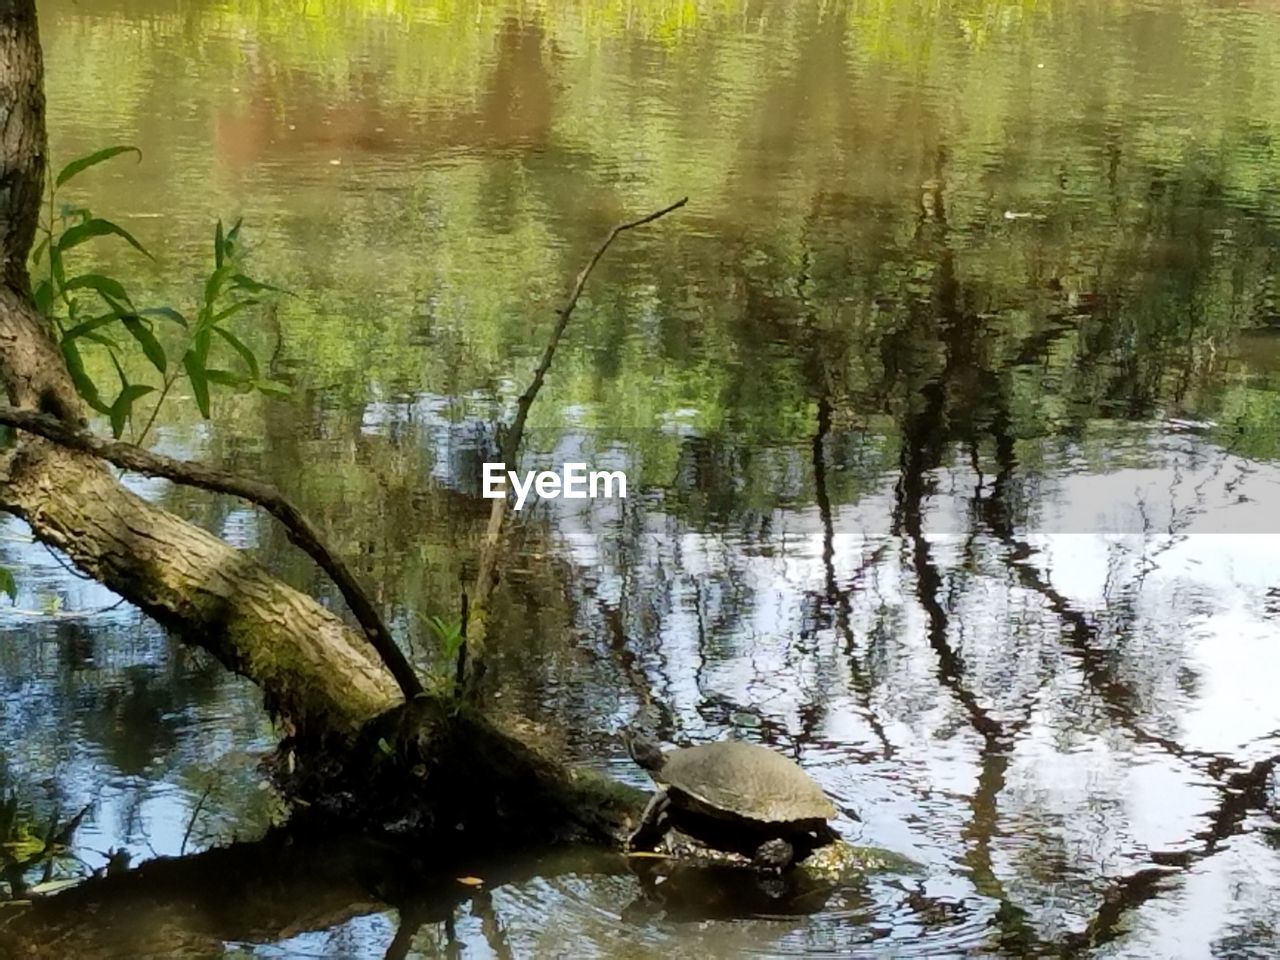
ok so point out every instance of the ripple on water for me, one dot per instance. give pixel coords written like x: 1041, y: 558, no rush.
x: 608, y: 917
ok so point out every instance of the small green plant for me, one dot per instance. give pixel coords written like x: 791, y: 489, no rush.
x: 89, y: 308
x: 452, y: 639
x: 450, y: 635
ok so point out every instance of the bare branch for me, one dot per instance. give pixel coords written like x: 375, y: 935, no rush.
x: 191, y: 822
x: 511, y: 444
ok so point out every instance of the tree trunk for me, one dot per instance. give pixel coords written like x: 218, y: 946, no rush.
x: 22, y: 136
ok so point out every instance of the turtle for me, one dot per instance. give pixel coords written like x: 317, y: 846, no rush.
x: 733, y: 796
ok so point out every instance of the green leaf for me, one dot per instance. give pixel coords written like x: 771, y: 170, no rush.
x: 123, y: 406
x: 107, y: 286
x: 217, y: 246
x: 236, y: 308
x: 253, y: 286
x: 119, y: 417
x: 214, y: 284
x: 84, y: 383
x: 84, y: 163
x: 38, y: 252
x: 120, y: 310
x: 88, y: 326
x: 97, y: 227
x: 150, y: 345
x: 59, y: 274
x: 124, y: 378
x: 199, y: 381
x: 449, y: 633
x: 100, y: 338
x: 273, y: 387
x: 167, y: 312
x: 239, y: 347
x: 81, y: 214
x: 8, y: 584
x: 43, y: 297
x: 233, y: 235
x: 228, y: 379
x: 200, y: 345
x: 137, y: 391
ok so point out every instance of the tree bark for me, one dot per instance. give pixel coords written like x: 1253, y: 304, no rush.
x: 301, y: 530
x: 22, y: 136
x: 30, y: 362
x: 312, y: 668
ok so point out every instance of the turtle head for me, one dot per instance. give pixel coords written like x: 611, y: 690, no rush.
x: 644, y: 750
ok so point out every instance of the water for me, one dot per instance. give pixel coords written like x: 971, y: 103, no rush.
x: 948, y: 405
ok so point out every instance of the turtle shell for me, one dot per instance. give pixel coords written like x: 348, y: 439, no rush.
x: 745, y: 780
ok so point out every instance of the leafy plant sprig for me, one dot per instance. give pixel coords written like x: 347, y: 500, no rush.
x: 228, y: 291
x: 450, y: 635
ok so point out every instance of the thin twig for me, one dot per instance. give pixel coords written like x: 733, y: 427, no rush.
x: 511, y: 443
x: 72, y: 571
x: 301, y: 530
x: 460, y: 672
x: 191, y: 822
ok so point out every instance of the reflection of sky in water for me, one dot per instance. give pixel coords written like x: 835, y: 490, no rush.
x: 360, y: 937
x: 1180, y: 612
x: 1233, y: 891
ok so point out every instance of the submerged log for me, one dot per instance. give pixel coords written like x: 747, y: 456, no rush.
x: 269, y: 890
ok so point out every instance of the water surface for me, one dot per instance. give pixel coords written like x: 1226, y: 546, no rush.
x: 948, y: 406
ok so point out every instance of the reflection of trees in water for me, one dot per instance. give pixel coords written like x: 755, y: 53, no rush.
x: 926, y: 435
x: 925, y: 382
x: 968, y: 399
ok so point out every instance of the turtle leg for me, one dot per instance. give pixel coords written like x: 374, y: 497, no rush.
x: 806, y: 843
x: 653, y: 824
x: 776, y: 854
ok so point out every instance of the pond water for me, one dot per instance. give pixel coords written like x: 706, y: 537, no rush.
x: 949, y: 407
